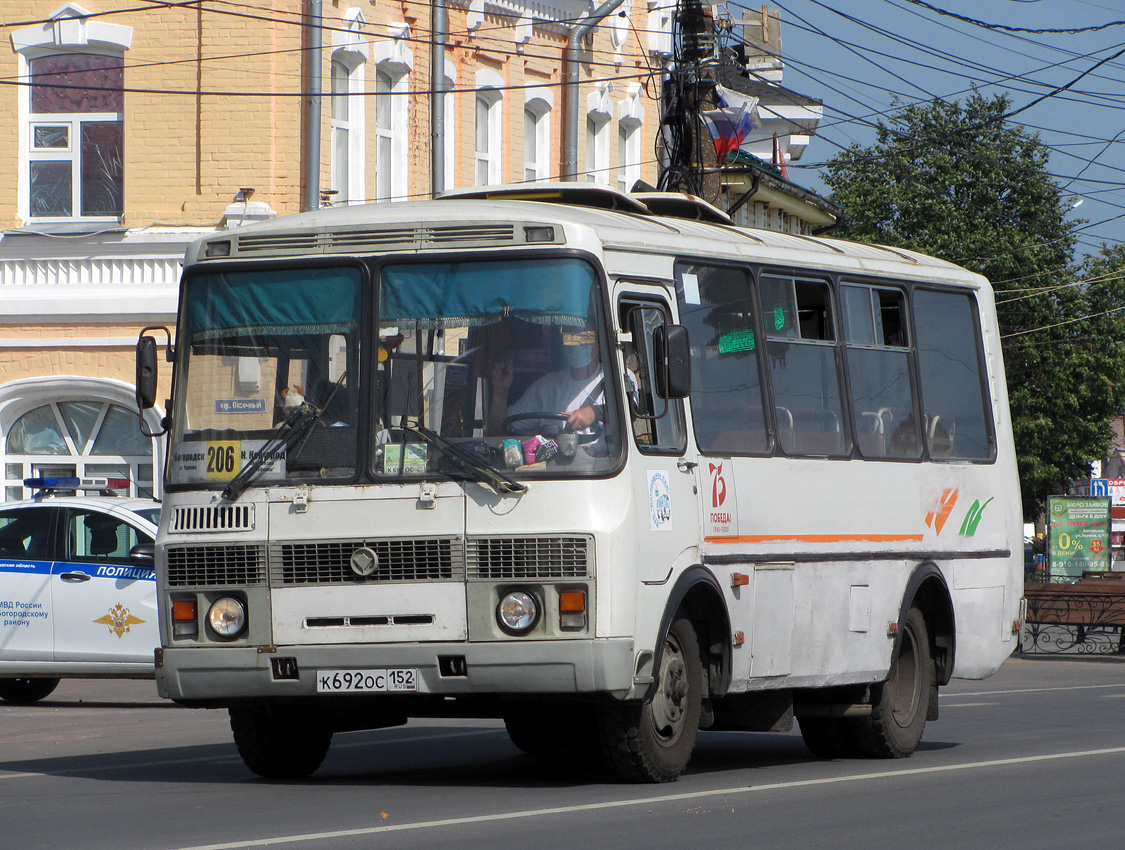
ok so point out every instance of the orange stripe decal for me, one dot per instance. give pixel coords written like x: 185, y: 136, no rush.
x: 817, y: 538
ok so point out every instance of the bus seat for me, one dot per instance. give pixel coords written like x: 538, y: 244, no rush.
x: 743, y: 441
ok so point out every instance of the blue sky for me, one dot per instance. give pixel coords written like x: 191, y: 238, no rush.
x: 859, y: 55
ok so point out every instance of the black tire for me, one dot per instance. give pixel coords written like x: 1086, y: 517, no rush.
x: 555, y: 733
x: 653, y: 741
x: 827, y: 737
x: 899, y: 705
x: 278, y: 742
x: 26, y: 691
x: 535, y: 737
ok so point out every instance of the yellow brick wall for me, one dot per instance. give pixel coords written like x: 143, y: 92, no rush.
x: 213, y: 105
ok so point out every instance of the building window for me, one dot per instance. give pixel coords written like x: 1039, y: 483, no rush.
x: 537, y: 134
x: 77, y: 438
x: 598, y: 112
x: 394, y: 63
x: 628, y: 169
x: 347, y: 133
x: 384, y: 136
x: 630, y: 120
x: 488, y: 130
x: 530, y: 146
x: 75, y: 136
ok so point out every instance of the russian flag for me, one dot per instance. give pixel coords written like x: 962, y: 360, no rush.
x: 732, y: 122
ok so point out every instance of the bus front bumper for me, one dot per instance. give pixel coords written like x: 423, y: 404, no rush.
x: 215, y: 675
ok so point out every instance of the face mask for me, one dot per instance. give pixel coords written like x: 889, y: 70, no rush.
x: 578, y: 356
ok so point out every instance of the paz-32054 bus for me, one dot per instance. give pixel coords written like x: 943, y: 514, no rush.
x: 602, y: 465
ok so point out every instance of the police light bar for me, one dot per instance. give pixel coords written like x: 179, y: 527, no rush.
x: 77, y: 483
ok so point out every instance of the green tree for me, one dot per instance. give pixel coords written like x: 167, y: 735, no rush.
x: 960, y: 182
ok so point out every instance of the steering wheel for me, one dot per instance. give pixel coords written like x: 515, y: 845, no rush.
x: 507, y: 426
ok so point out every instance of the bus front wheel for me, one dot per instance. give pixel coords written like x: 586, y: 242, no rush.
x: 279, y: 742
x: 653, y: 741
x: 899, y: 705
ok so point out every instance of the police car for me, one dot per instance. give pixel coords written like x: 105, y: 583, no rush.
x: 77, y: 586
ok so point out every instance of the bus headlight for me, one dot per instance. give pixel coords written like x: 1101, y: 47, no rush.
x: 227, y: 617
x: 518, y: 612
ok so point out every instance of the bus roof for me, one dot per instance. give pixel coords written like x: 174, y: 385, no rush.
x: 556, y: 215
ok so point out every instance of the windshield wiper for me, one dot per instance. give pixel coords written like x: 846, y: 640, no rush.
x: 476, y: 466
x: 293, y: 431
x: 286, y: 435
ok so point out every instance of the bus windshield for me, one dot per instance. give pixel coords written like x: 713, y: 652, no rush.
x: 470, y: 368
x: 265, y: 349
x: 504, y: 358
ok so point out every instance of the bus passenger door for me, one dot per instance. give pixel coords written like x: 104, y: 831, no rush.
x: 665, y: 481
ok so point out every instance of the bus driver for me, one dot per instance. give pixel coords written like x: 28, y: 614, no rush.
x: 576, y: 391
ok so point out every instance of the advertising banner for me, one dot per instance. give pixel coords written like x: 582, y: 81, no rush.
x: 1078, y: 535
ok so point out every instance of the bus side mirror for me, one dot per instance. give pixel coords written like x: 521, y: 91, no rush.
x: 673, y: 361
x: 146, y: 373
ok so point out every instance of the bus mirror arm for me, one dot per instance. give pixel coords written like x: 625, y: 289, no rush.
x: 671, y: 355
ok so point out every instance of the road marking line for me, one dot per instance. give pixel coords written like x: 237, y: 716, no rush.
x: 945, y: 705
x: 645, y: 801
x: 948, y: 695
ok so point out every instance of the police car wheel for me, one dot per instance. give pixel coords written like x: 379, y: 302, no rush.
x: 26, y: 691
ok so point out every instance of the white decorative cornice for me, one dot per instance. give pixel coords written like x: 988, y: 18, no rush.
x: 71, y: 26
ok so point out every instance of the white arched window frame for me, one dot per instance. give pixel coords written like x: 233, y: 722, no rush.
x: 537, y: 107
x: 72, y: 161
x: 489, y: 128
x: 630, y: 123
x: 394, y: 62
x: 73, y: 425
x: 599, y: 111
x: 348, y: 119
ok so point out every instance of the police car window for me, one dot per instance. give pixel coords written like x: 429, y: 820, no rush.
x: 99, y: 537
x: 25, y: 533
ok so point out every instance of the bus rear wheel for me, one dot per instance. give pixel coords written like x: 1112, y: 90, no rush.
x: 26, y: 691
x: 279, y: 742
x: 899, y: 705
x: 653, y: 741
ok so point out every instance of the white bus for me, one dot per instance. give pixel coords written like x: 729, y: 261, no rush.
x: 602, y: 465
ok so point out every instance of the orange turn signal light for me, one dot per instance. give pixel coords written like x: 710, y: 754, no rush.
x: 572, y: 601
x: 183, y: 610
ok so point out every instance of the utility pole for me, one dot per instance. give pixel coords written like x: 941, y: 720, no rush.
x: 685, y: 89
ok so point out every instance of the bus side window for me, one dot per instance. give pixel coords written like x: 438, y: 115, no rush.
x: 717, y: 308
x: 882, y: 381
x: 803, y: 364
x: 657, y: 423
x: 957, y: 420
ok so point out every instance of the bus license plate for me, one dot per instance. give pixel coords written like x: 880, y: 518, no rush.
x: 361, y: 681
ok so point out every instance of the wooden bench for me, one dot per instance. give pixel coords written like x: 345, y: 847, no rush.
x: 1087, y: 615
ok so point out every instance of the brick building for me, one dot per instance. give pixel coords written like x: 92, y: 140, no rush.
x: 131, y: 128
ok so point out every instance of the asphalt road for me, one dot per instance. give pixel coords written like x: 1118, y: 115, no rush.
x: 1031, y: 758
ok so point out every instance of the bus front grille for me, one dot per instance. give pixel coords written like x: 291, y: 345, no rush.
x: 212, y: 518
x: 396, y: 560
x: 193, y: 566
x: 508, y: 558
